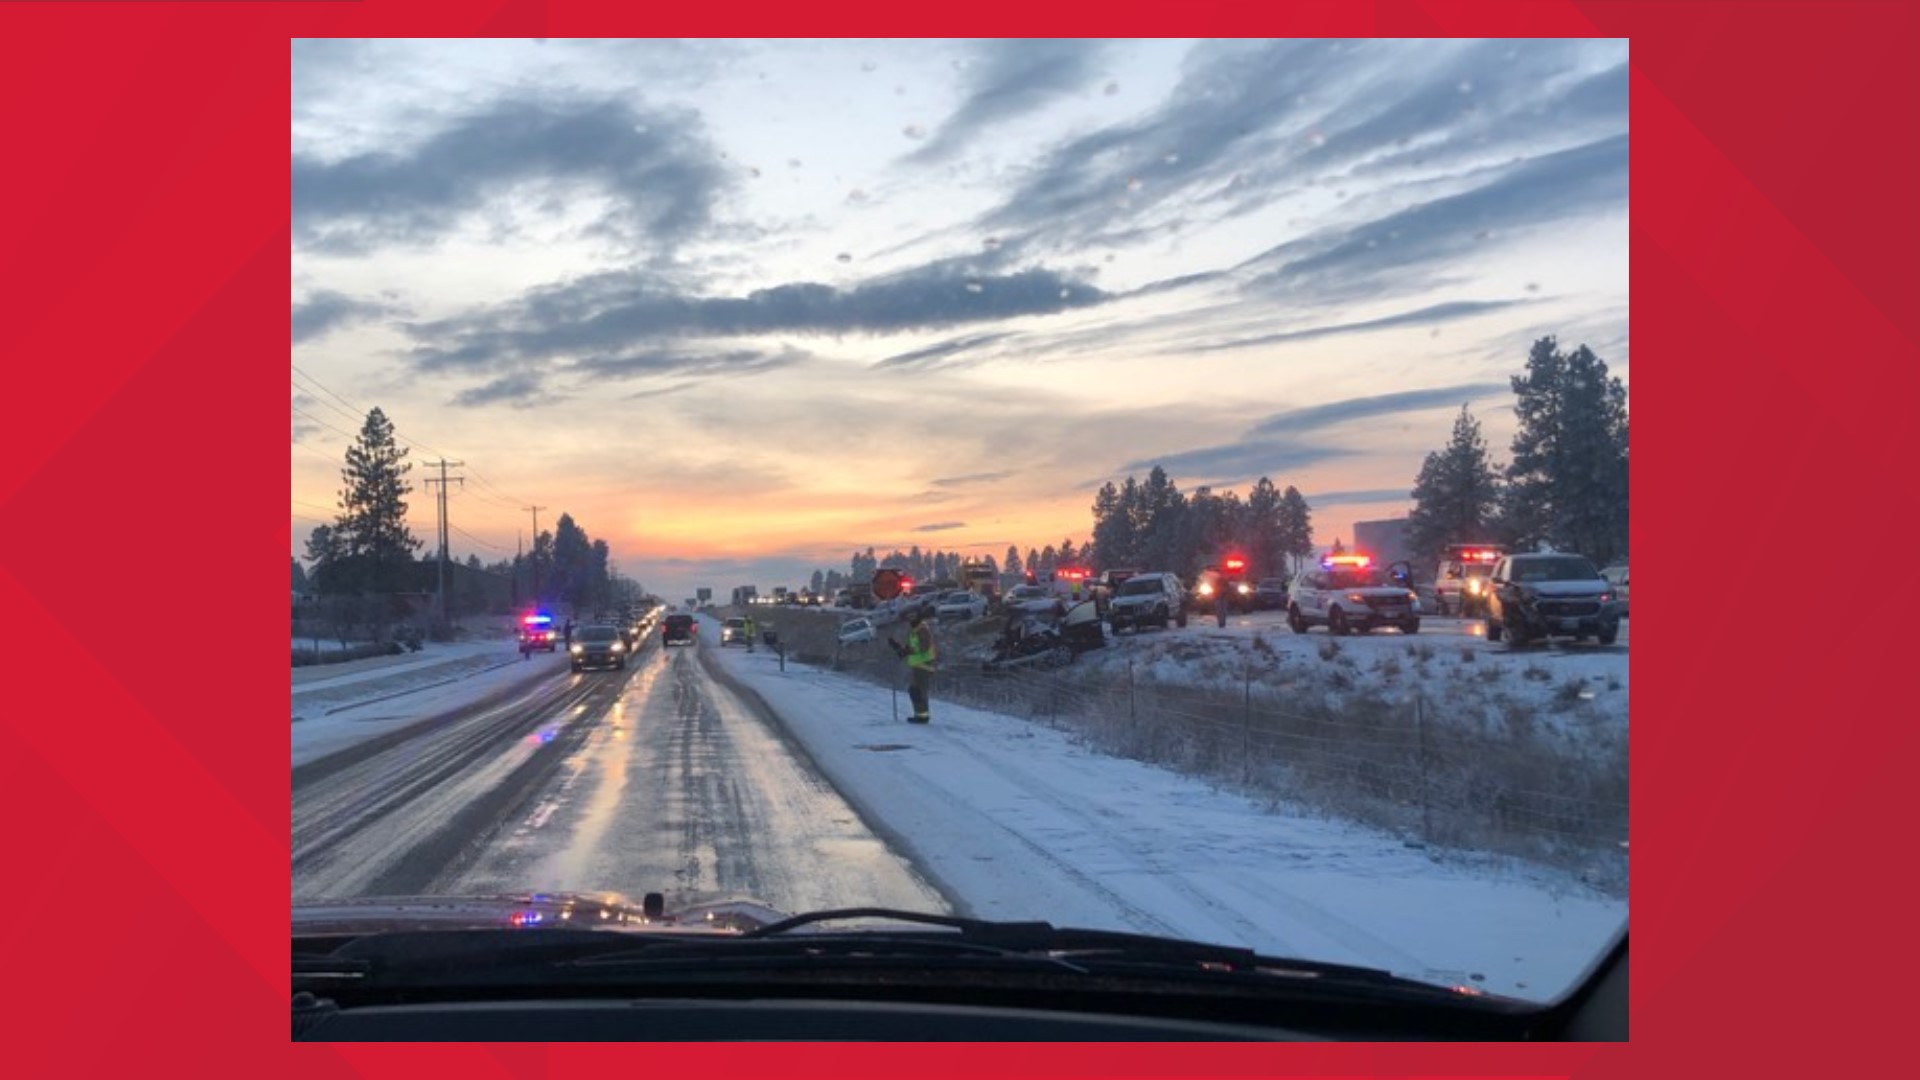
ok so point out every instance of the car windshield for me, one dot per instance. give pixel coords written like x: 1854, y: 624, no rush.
x: 1555, y: 568
x: 583, y: 326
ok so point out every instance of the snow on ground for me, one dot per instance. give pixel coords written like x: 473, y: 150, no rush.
x: 1017, y: 821
x: 338, y: 705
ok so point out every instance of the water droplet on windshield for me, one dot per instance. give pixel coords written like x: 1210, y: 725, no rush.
x: 914, y: 131
x: 1533, y: 286
x: 1134, y: 184
x: 1171, y: 159
x: 1317, y: 138
x: 1066, y: 294
x: 868, y: 66
x: 1466, y: 87
x: 793, y: 163
x: 1112, y: 89
x: 856, y: 196
x: 974, y: 287
x: 844, y: 257
x: 753, y: 170
x: 991, y: 243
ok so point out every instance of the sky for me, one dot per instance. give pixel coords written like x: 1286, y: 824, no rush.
x: 742, y: 308
x: 1017, y: 820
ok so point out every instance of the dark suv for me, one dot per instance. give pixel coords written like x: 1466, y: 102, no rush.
x: 677, y: 630
x: 1550, y: 594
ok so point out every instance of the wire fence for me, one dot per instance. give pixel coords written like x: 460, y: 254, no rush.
x: 1408, y: 761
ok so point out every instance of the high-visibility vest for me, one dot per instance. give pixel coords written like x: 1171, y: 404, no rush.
x: 920, y: 648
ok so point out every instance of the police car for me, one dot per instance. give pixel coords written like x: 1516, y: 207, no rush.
x: 1461, y: 588
x: 1348, y: 594
x: 536, y: 632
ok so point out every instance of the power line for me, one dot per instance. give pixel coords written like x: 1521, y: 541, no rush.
x: 477, y: 540
x: 399, y: 436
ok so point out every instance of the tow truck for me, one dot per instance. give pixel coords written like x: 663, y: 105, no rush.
x: 1462, y: 585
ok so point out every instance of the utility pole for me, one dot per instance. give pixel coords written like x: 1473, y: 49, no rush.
x: 535, y: 558
x: 444, y: 465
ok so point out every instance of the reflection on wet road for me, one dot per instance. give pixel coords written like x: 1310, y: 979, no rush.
x: 682, y: 788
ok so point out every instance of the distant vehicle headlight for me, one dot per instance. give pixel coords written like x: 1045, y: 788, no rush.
x: 579, y: 648
x: 1245, y: 589
x: 619, y: 646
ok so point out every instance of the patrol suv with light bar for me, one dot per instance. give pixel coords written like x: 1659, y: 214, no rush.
x: 1348, y: 594
x: 1461, y: 588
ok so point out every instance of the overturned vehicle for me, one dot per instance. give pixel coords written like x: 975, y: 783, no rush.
x: 1048, y: 639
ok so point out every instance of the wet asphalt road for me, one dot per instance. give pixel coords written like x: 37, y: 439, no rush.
x: 655, y: 779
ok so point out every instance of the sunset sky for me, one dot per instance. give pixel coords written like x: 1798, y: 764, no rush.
x: 743, y: 307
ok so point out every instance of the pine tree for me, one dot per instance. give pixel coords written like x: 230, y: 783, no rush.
x: 1456, y: 494
x: 1112, y: 532
x: 372, y: 523
x: 1013, y: 567
x: 1296, y: 526
x: 1158, y: 521
x: 1262, y: 530
x: 1567, y: 482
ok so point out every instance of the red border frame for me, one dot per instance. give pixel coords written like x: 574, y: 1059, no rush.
x: 143, y: 306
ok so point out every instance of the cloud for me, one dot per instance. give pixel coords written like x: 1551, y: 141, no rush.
x: 1252, y: 122
x: 1438, y: 313
x: 1314, y: 417
x: 522, y: 391
x: 941, y: 355
x: 973, y: 478
x: 1374, y: 256
x: 1358, y: 498
x: 1238, y: 461
x: 940, y: 527
x: 656, y: 167
x: 1010, y: 79
x: 1273, y: 445
x: 326, y: 310
x: 610, y: 314
x: 687, y: 362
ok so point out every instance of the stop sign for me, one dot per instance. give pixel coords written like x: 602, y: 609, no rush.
x: 886, y: 583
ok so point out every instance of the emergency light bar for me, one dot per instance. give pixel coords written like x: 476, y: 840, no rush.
x: 1332, y: 561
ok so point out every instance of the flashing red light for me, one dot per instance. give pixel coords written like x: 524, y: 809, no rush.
x: 1236, y: 564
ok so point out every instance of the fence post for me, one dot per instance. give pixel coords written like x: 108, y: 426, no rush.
x: 1426, y: 801
x: 1246, y: 727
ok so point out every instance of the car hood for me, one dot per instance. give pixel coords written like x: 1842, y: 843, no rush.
x: 1565, y: 588
x: 561, y: 910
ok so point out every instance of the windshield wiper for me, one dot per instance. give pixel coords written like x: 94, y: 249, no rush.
x: 1087, y: 945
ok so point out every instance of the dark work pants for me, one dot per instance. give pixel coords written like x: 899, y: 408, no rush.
x: 919, y: 688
